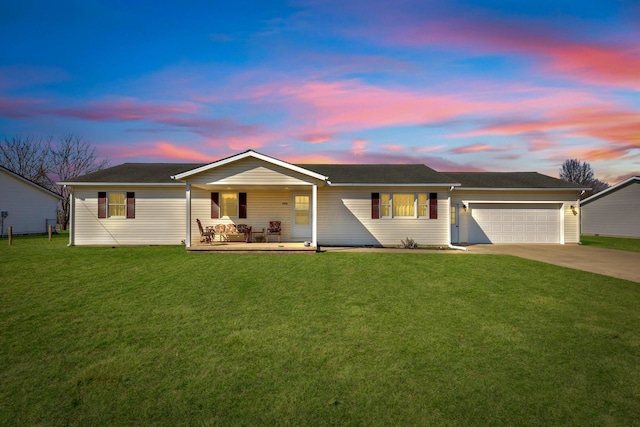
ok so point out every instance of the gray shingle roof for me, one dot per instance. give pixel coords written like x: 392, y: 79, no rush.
x: 516, y: 180
x: 379, y: 174
x: 143, y: 173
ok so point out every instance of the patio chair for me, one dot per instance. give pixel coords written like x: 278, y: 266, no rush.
x: 205, y: 236
x: 245, y: 230
x: 274, y: 229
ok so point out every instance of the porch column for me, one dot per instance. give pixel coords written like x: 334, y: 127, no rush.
x: 187, y: 241
x: 314, y: 215
x: 72, y: 214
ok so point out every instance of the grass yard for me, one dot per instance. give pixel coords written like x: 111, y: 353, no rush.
x: 155, y: 335
x: 625, y: 244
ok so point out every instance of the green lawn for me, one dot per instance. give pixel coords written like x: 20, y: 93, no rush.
x: 158, y: 336
x: 625, y: 244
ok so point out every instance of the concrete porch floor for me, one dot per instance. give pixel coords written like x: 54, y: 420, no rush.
x: 250, y: 247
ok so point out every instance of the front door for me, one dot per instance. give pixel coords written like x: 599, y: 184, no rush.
x: 455, y: 227
x: 301, y: 224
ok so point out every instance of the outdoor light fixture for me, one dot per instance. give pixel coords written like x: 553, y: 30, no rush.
x: 464, y: 207
x: 573, y: 209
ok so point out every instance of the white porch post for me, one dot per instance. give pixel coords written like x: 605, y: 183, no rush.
x: 314, y: 216
x: 187, y: 241
x: 72, y: 226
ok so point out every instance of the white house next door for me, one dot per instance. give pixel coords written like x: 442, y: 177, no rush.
x: 301, y: 221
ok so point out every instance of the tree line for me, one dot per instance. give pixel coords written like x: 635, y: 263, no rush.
x: 48, y: 160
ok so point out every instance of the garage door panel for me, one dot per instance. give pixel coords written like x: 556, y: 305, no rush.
x: 515, y: 223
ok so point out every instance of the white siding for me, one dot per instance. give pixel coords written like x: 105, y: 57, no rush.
x: 344, y: 218
x: 160, y: 218
x: 569, y: 221
x: 614, y: 214
x: 27, y: 205
x: 250, y: 171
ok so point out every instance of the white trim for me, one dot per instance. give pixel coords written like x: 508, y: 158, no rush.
x: 519, y: 189
x: 614, y: 187
x: 123, y: 184
x: 249, y: 153
x: 72, y: 226
x: 537, y: 202
x: 391, y: 185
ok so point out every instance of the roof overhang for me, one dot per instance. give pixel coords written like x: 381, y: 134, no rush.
x: 123, y: 184
x: 247, y: 154
x: 522, y: 189
x: 610, y: 189
x: 420, y: 184
x: 31, y: 183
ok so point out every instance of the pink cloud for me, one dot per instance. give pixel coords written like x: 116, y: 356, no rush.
x: 609, y: 64
x: 124, y: 109
x: 396, y: 148
x: 359, y: 146
x: 317, y: 138
x: 161, y: 150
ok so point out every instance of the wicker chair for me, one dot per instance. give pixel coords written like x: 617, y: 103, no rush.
x: 275, y: 229
x: 205, y: 236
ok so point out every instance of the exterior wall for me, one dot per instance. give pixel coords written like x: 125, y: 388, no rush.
x: 570, y: 221
x: 250, y: 171
x: 27, y: 205
x: 160, y: 218
x: 344, y: 218
x: 262, y: 206
x: 614, y: 214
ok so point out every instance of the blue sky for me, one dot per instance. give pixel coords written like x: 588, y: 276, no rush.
x: 457, y: 85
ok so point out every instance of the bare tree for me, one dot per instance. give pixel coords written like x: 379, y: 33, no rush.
x: 27, y: 156
x: 573, y: 170
x: 71, y: 156
x: 45, y: 161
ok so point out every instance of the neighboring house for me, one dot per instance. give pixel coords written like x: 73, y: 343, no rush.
x: 28, y: 206
x: 329, y: 204
x: 614, y: 211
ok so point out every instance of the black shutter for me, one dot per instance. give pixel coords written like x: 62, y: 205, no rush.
x: 215, y: 208
x: 131, y: 204
x: 242, y: 198
x: 375, y: 205
x: 102, y: 204
x: 433, y: 205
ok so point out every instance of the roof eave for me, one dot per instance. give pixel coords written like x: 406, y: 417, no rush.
x: 374, y: 184
x: 520, y: 189
x: 124, y: 184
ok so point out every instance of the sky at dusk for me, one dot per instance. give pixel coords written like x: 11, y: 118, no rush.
x: 457, y: 85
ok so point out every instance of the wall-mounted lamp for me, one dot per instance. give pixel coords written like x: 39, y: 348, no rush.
x: 464, y: 207
x: 573, y: 209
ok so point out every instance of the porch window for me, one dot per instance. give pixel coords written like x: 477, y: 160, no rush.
x: 228, y: 204
x: 403, y: 205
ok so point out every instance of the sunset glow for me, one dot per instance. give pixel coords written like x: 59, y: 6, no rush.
x: 495, y: 86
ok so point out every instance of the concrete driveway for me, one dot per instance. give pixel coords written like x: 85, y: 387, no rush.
x: 609, y: 262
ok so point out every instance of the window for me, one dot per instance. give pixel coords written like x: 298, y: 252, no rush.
x: 301, y: 209
x: 229, y: 204
x: 116, y: 204
x: 404, y: 205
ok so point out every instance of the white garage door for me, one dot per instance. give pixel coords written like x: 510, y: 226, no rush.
x: 514, y: 223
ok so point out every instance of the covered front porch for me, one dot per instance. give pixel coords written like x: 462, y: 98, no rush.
x: 256, y: 191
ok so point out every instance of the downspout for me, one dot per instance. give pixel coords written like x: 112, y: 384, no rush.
x: 459, y: 248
